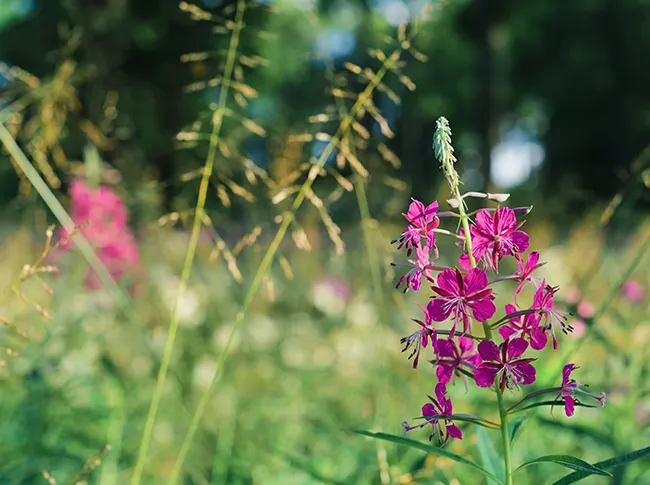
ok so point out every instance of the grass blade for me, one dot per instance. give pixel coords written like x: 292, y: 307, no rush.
x: 605, y: 465
x: 489, y: 456
x: 514, y: 425
x: 429, y: 449
x: 569, y: 462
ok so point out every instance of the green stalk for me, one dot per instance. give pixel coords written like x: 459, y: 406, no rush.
x: 191, y: 250
x: 444, y: 151
x: 270, y: 254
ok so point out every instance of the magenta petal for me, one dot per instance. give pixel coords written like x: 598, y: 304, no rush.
x: 566, y: 373
x: 415, y: 212
x: 569, y: 405
x: 516, y: 347
x: 454, y: 431
x: 484, y: 375
x: 463, y: 261
x: 444, y: 373
x: 429, y: 411
x: 528, y: 372
x: 506, y: 220
x: 484, y: 221
x: 430, y: 211
x: 506, y: 332
x: 520, y: 240
x: 441, y: 390
x: 483, y: 310
x: 447, y: 281
x: 466, y: 345
x: 437, y: 310
x: 488, y: 350
x: 533, y: 259
x: 475, y: 280
x: 510, y: 308
x: 538, y: 339
x: 446, y: 348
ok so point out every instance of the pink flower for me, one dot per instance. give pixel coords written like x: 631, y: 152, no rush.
x: 525, y: 270
x: 457, y: 294
x: 494, y: 237
x: 570, y: 388
x: 633, y: 291
x: 452, y: 356
x: 439, y: 406
x: 420, y: 338
x: 423, y: 221
x: 578, y: 326
x: 585, y: 309
x: 505, y: 364
x: 543, y: 303
x: 526, y: 326
x: 106, y: 217
x: 419, y: 267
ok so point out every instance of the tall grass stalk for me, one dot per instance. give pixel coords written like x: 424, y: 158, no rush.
x: 272, y: 250
x: 64, y: 218
x: 217, y: 122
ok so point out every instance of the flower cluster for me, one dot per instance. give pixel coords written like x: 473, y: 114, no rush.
x: 106, y: 229
x: 464, y: 296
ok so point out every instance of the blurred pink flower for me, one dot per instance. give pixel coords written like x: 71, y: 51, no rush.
x: 107, y: 231
x: 579, y: 327
x: 573, y: 295
x: 633, y: 291
x: 585, y: 309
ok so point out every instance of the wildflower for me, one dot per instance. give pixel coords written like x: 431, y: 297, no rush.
x: 523, y: 275
x: 526, y: 326
x: 419, y: 266
x: 633, y: 291
x: 585, y: 309
x: 570, y: 388
x: 423, y: 221
x: 107, y: 229
x: 543, y: 303
x: 494, y: 237
x: 452, y: 356
x: 504, y: 363
x: 439, y: 406
x: 420, y: 338
x: 457, y: 294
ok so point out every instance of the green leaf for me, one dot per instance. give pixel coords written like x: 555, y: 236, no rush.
x: 513, y: 427
x: 617, y: 461
x: 429, y: 449
x: 552, y: 403
x: 470, y: 418
x: 489, y: 456
x: 569, y: 462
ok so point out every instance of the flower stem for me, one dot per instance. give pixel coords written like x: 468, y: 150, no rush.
x: 444, y: 152
x: 503, y: 419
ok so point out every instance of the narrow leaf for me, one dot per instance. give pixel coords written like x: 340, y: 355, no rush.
x: 558, y: 402
x: 569, y: 462
x: 605, y: 465
x: 470, y: 418
x: 513, y: 427
x: 429, y: 449
x: 489, y: 456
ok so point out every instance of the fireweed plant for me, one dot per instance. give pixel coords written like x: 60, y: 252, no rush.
x: 481, y: 349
